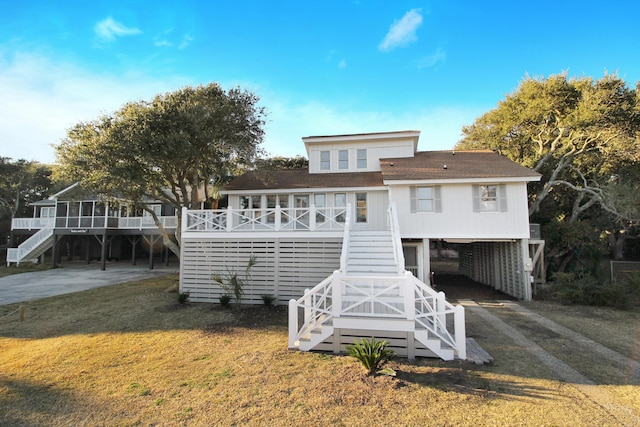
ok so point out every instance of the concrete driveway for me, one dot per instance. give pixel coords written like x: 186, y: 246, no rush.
x: 73, y: 277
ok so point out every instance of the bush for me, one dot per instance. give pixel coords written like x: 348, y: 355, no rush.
x: 268, y: 299
x: 232, y: 282
x: 183, y: 297
x: 372, y: 354
x: 225, y: 300
x: 584, y: 289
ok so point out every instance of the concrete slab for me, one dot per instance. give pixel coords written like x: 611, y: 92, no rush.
x: 72, y: 278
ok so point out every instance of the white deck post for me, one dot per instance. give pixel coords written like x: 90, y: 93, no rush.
x: 312, y: 218
x: 307, y: 305
x: 440, y: 312
x: 409, y: 296
x: 293, y: 323
x: 278, y: 219
x: 185, y: 221
x: 460, y: 332
x: 229, y: 218
x: 336, y: 293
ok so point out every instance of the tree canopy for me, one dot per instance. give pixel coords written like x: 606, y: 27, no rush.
x: 178, y: 148
x: 582, y: 135
x: 21, y: 183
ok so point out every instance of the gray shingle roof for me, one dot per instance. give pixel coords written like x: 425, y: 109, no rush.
x: 430, y: 165
x: 425, y: 165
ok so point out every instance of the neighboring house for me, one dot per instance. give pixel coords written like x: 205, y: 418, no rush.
x: 72, y: 225
x: 347, y: 229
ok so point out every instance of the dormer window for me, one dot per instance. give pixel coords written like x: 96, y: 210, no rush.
x: 362, y: 158
x: 343, y: 159
x: 325, y: 160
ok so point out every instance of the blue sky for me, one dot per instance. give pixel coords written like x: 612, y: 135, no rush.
x: 320, y: 68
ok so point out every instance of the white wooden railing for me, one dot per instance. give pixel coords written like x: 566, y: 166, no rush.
x: 344, y: 254
x: 31, y: 223
x: 391, y: 298
x: 25, y: 248
x: 398, y: 253
x: 142, y: 222
x: 269, y: 219
x: 133, y: 222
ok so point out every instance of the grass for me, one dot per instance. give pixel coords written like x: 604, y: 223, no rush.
x: 131, y: 355
x: 25, y: 267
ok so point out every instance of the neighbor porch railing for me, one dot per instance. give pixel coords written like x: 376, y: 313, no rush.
x: 133, y: 222
x: 269, y: 219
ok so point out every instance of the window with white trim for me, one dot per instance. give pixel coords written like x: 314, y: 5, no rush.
x: 320, y: 202
x: 426, y: 199
x: 362, y: 158
x: 361, y: 207
x: 490, y: 198
x: 325, y: 160
x: 340, y: 201
x: 343, y: 159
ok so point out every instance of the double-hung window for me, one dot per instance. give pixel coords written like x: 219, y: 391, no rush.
x: 362, y: 158
x: 361, y: 207
x: 325, y: 160
x: 426, y: 199
x: 489, y: 198
x: 343, y: 159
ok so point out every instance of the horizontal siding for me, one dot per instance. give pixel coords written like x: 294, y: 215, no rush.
x: 457, y: 220
x: 283, y: 268
x: 396, y: 341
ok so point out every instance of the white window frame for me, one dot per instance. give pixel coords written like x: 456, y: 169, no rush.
x: 424, y: 203
x: 361, y: 210
x: 343, y: 159
x: 361, y: 158
x: 490, y: 198
x: 325, y: 160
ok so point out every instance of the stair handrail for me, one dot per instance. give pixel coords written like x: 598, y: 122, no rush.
x: 26, y: 247
x: 432, y: 305
x: 318, y: 309
x: 344, y: 254
x: 394, y: 224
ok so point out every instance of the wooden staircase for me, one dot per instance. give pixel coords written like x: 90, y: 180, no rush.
x: 372, y: 295
x: 32, y: 248
x: 371, y: 253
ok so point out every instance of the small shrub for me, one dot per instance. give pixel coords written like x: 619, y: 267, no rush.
x: 372, y: 354
x: 268, y: 299
x: 225, y: 300
x: 183, y: 297
x: 231, y: 281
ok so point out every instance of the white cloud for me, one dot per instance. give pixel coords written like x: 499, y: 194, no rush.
x: 186, y: 41
x: 342, y: 64
x: 108, y: 29
x: 402, y: 32
x: 431, y: 60
x: 42, y: 98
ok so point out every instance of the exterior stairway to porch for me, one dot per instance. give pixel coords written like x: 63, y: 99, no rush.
x: 372, y: 295
x: 32, y: 248
x: 371, y: 253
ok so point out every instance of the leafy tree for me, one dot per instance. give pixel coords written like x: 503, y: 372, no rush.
x: 579, y: 133
x: 178, y: 148
x: 21, y: 183
x: 280, y: 162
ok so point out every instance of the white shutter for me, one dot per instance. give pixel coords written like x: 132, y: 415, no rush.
x: 436, y: 199
x: 476, y: 198
x: 502, y: 197
x: 414, y: 197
